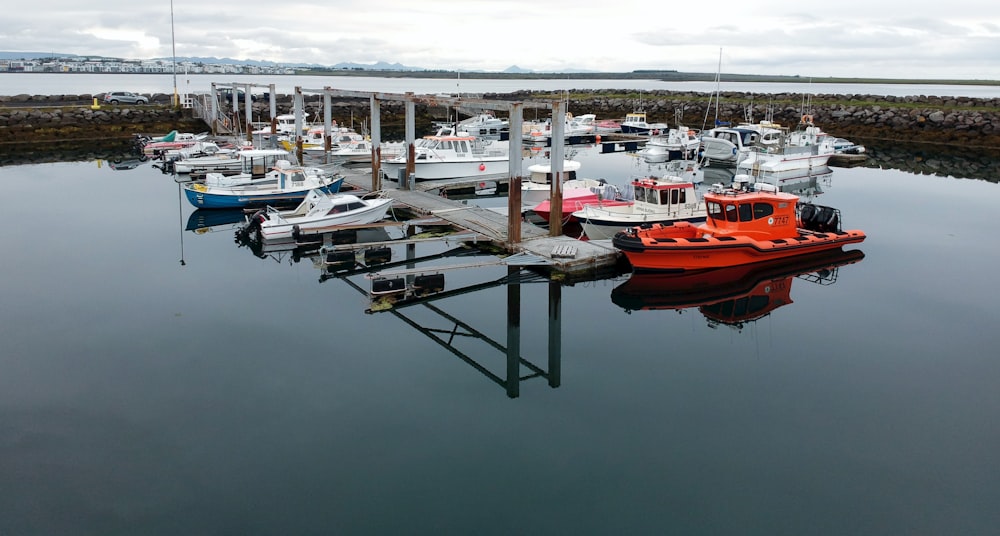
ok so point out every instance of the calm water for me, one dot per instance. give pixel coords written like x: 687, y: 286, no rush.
x: 57, y: 84
x: 232, y: 394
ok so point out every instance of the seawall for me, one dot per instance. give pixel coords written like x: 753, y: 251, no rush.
x: 967, y: 122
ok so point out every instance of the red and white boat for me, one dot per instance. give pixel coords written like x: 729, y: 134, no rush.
x: 745, y: 224
x: 171, y: 142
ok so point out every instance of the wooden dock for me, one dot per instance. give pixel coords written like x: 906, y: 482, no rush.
x: 536, y: 248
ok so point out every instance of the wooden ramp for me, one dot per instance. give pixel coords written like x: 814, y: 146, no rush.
x: 489, y: 223
x: 536, y: 247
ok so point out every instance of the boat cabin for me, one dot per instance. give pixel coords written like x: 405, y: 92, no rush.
x: 759, y: 211
x: 436, y: 147
x: 257, y: 162
x: 664, y: 195
x: 740, y: 137
x: 542, y: 173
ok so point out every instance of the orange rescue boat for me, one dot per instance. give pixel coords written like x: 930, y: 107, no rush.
x: 746, y: 224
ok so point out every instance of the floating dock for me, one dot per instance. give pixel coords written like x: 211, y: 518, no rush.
x: 536, y: 248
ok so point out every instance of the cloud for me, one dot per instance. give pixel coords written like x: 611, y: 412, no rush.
x: 852, y: 38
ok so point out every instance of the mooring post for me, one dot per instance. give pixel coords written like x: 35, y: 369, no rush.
x: 376, y: 133
x: 327, y: 122
x: 514, y: 120
x: 556, y: 167
x: 411, y: 153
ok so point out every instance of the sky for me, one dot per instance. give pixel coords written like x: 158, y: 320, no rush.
x: 958, y: 39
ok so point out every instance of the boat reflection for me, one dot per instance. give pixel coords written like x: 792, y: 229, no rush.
x: 730, y: 296
x: 203, y: 221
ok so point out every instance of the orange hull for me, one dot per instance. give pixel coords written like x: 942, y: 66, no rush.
x: 682, y: 247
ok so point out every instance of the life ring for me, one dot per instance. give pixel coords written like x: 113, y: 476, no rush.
x: 807, y: 119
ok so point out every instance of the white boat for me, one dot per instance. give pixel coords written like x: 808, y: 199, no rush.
x: 657, y: 200
x: 314, y: 139
x: 171, y: 142
x: 285, y: 184
x: 575, y: 127
x: 538, y: 185
x: 486, y: 125
x: 284, y: 126
x: 256, y: 162
x: 635, y: 123
x: 317, y: 211
x: 679, y: 143
x: 453, y: 156
x: 802, y: 149
x: 722, y: 145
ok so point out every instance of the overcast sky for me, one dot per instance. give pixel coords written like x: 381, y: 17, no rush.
x: 956, y: 39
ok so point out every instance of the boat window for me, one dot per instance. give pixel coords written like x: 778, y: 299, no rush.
x: 652, y: 197
x: 462, y: 146
x: 746, y: 212
x: 762, y: 210
x: 664, y: 197
x: 354, y: 205
x: 730, y: 212
x: 714, y: 210
x: 446, y: 145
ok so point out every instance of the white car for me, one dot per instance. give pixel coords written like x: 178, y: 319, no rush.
x: 124, y: 97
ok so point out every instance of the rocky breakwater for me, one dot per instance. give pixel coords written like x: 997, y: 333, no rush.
x: 962, y: 121
x: 33, y: 118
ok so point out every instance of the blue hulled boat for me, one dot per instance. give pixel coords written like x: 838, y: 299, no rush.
x: 285, y: 184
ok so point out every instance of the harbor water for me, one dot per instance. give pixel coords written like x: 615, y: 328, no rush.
x: 161, y: 378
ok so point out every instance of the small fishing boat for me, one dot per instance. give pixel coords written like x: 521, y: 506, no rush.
x: 285, y: 184
x: 172, y: 141
x: 746, y: 224
x: 250, y: 161
x: 635, y: 123
x: 656, y: 200
x: 453, y: 156
x: 319, y: 211
x: 679, y: 143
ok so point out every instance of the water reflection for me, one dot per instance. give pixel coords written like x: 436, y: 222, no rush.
x: 731, y: 296
x: 941, y: 160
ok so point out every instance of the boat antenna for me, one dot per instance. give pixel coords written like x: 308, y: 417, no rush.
x: 718, y: 78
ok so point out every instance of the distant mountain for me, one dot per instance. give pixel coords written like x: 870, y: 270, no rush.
x: 4, y: 55
x: 514, y: 69
x: 377, y: 66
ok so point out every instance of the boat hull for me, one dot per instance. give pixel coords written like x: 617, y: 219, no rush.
x: 287, y: 229
x: 223, y: 199
x: 680, y: 247
x: 426, y: 171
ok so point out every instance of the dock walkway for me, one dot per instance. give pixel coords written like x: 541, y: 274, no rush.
x: 536, y: 247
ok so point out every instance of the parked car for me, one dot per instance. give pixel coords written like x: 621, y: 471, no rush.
x: 124, y: 97
x: 227, y: 95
